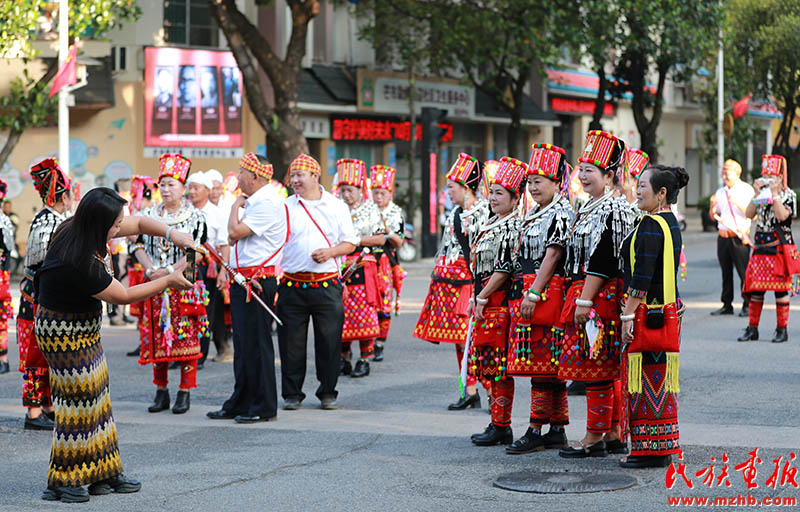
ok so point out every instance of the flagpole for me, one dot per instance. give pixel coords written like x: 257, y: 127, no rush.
x: 63, y: 94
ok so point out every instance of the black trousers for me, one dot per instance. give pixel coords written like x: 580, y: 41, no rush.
x: 215, y: 312
x: 731, y: 252
x: 255, y: 392
x: 324, y: 305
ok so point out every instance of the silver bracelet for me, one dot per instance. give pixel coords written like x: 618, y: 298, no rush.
x: 533, y: 297
x: 149, y: 272
x: 481, y: 301
x: 166, y: 235
x: 584, y: 303
x: 627, y: 318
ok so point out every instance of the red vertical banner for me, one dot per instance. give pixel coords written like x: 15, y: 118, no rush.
x: 432, y: 199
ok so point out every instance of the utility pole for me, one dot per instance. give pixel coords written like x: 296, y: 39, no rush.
x: 64, y: 93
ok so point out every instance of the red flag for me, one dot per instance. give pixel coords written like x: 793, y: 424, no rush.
x: 68, y: 74
x: 740, y: 107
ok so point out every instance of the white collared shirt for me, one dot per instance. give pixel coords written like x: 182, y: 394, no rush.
x: 217, y: 227
x: 333, y: 217
x: 730, y: 216
x: 267, y: 220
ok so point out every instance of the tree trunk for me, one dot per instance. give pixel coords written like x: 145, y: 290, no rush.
x: 13, y: 138
x: 600, y: 101
x: 516, y: 134
x: 412, y: 144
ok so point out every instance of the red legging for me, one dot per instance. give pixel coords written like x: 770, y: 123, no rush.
x: 188, y: 374
x: 367, y: 348
x: 604, y: 406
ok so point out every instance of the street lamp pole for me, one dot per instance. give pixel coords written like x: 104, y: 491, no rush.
x: 720, y: 110
x: 63, y: 94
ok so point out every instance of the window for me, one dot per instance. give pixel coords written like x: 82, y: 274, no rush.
x: 189, y: 22
x: 119, y: 61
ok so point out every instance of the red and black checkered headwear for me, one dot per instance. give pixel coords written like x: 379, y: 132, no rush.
x: 50, y: 181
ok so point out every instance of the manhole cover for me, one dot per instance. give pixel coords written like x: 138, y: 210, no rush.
x: 563, y: 482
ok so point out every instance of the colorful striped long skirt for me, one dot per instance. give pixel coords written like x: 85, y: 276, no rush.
x: 653, y: 412
x: 85, y: 448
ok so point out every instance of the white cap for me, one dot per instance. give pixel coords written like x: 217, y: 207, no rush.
x: 213, y: 175
x: 201, y: 179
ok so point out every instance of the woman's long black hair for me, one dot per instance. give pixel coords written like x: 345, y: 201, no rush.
x: 80, y: 237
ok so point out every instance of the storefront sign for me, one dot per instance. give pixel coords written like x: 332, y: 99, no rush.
x: 193, y: 98
x: 379, y: 130
x: 315, y: 127
x: 388, y: 93
x: 578, y: 106
x: 189, y: 152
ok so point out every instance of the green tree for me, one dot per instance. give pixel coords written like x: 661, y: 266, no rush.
x: 660, y: 39
x: 500, y: 46
x: 254, y: 52
x: 27, y: 104
x: 763, y: 39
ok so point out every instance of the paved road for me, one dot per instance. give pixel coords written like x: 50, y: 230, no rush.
x: 393, y: 446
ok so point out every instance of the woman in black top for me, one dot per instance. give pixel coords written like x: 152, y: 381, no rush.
x: 652, y: 410
x: 74, y: 278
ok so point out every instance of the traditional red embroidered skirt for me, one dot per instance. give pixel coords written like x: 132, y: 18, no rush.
x: 443, y: 318
x: 6, y: 310
x: 767, y: 272
x: 173, y: 333
x: 361, y: 298
x: 489, y: 346
x: 136, y: 276
x: 575, y: 361
x: 653, y: 413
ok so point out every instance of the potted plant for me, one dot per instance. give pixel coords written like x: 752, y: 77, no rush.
x: 703, y: 205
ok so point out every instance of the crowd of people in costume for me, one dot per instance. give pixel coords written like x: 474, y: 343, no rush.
x: 544, y: 272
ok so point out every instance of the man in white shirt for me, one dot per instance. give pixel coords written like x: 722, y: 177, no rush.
x: 256, y: 242
x: 321, y: 232
x: 217, y: 195
x: 728, y: 207
x: 199, y: 186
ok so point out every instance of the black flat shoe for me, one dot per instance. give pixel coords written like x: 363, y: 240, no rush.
x: 252, y: 419
x: 724, y: 310
x: 472, y: 401
x: 119, y: 484
x: 182, y: 403
x: 134, y: 352
x: 555, y: 439
x: 485, y: 431
x: 66, y: 494
x: 361, y: 369
x: 378, y: 355
x: 4, y: 367
x: 41, y: 422
x: 616, y: 446
x: 597, y: 449
x: 346, y: 367
x: 528, y: 443
x: 781, y: 336
x: 646, y: 461
x: 576, y: 388
x: 221, y: 414
x: 160, y: 402
x: 494, y: 435
x: 750, y: 334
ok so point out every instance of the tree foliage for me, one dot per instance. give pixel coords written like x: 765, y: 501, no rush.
x: 27, y: 104
x: 763, y: 38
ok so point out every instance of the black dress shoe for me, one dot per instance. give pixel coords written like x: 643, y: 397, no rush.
x: 616, y: 446
x: 160, y: 402
x: 252, y: 419
x: 41, y: 422
x: 494, y: 435
x: 120, y: 484
x: 182, y: 402
x: 291, y: 404
x: 781, y: 336
x: 485, y: 431
x: 576, y: 388
x: 472, y: 401
x: 555, y: 439
x: 377, y: 356
x: 745, y: 311
x: 750, y: 334
x: 51, y: 415
x: 597, y: 449
x: 346, y: 368
x: 646, y: 461
x: 724, y: 310
x: 361, y: 369
x: 329, y: 403
x: 66, y: 494
x: 221, y: 414
x: 4, y: 367
x: 528, y: 443
x: 134, y: 352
